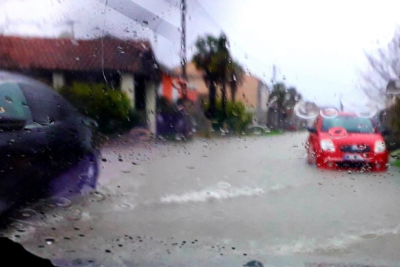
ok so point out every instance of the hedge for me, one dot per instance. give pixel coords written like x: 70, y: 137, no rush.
x: 108, y: 107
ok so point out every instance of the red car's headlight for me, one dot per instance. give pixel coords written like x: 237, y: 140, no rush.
x: 327, y: 145
x: 379, y: 147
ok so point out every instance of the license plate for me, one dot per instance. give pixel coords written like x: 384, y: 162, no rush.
x: 353, y: 157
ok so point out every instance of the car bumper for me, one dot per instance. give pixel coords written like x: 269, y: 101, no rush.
x: 337, y: 160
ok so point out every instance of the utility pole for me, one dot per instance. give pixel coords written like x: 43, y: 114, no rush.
x: 273, y: 75
x: 341, y: 103
x: 183, y: 46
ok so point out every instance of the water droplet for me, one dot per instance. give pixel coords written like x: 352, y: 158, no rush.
x: 49, y: 240
x: 20, y: 227
x: 329, y: 113
x: 98, y: 196
x: 306, y: 110
x: 74, y: 215
x: 77, y: 58
x: 367, y: 112
x: 223, y: 185
x: 256, y: 130
x: 8, y: 99
x: 369, y: 236
x: 60, y: 202
x: 27, y: 213
x: 125, y: 206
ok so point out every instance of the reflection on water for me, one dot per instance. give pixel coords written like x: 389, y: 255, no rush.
x: 62, y: 187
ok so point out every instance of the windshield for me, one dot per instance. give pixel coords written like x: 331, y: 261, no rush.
x: 183, y: 133
x: 350, y: 123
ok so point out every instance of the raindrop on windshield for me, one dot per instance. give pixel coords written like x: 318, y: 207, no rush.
x: 8, y: 99
x: 223, y: 185
x: 27, y: 213
x: 257, y: 130
x: 61, y: 202
x: 20, y: 227
x: 329, y: 113
x: 367, y: 112
x: 306, y: 110
x: 49, y: 240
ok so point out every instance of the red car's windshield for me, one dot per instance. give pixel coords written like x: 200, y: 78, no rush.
x: 350, y: 123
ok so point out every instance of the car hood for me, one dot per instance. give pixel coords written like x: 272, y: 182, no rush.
x: 354, y: 138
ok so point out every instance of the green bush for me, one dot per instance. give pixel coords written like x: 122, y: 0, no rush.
x: 110, y: 108
x: 236, y: 118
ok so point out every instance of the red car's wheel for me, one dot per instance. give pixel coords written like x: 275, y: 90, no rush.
x: 378, y: 167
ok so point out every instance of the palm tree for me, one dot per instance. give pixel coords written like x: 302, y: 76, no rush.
x: 203, y: 59
x: 235, y: 77
x: 213, y: 57
x: 281, y: 101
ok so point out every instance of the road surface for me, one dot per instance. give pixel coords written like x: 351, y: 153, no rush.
x: 220, y: 202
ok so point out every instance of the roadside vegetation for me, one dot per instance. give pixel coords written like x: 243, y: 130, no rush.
x: 108, y: 107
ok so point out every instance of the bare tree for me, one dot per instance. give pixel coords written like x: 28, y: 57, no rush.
x: 383, y: 67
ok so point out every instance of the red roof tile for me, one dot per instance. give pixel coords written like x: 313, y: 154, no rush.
x: 75, y: 55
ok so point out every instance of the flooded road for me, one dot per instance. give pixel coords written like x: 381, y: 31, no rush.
x: 220, y: 202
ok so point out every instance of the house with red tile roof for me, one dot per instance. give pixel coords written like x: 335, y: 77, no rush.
x: 126, y: 64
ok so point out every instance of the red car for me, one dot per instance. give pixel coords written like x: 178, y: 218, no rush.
x: 347, y: 141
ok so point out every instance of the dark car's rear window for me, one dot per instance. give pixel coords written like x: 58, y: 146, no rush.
x: 350, y: 123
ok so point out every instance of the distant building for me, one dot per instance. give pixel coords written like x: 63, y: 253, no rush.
x: 125, y: 64
x: 252, y: 92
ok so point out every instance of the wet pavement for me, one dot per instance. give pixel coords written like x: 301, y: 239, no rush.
x: 220, y: 202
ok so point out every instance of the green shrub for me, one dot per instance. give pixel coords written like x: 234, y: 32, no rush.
x: 110, y: 108
x: 235, y: 118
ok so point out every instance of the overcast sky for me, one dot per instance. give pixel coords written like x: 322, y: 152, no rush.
x: 317, y: 45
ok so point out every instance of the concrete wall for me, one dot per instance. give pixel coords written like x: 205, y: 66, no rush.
x: 262, y: 109
x: 127, y: 85
x: 58, y: 80
x: 151, y: 108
